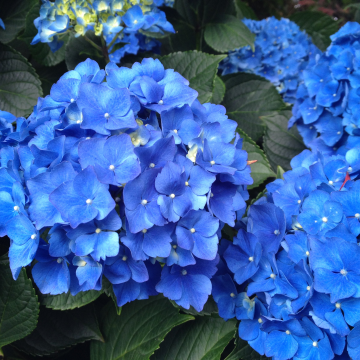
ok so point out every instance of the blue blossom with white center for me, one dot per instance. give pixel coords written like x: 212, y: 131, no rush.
x: 281, y: 53
x: 131, y: 196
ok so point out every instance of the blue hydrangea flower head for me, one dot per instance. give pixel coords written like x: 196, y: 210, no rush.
x: 124, y: 175
x: 281, y: 53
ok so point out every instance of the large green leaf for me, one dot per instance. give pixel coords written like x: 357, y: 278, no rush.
x: 249, y: 97
x: 202, y: 339
x: 210, y: 307
x: 57, y: 330
x: 49, y: 75
x: 20, y: 86
x: 243, y: 10
x: 197, y: 67
x: 13, y: 13
x: 41, y: 51
x: 138, y: 331
x: 228, y: 33
x: 67, y: 301
x: 19, y: 308
x: 244, y: 351
x: 219, y: 91
x: 261, y: 170
x: 318, y: 25
x: 281, y: 144
x: 79, y: 49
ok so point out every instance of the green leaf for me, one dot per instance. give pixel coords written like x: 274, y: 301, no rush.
x: 58, y: 330
x: 202, y: 339
x: 20, y: 86
x: 138, y: 331
x: 281, y: 144
x: 67, y: 301
x: 261, y: 170
x: 244, y: 351
x: 109, y: 291
x: 228, y: 33
x: 219, y: 91
x: 50, y: 75
x: 41, y: 51
x: 249, y: 97
x: 210, y: 307
x: 13, y: 13
x: 19, y: 308
x: 78, y: 50
x: 197, y: 67
x: 318, y: 25
x: 280, y: 172
x: 244, y: 11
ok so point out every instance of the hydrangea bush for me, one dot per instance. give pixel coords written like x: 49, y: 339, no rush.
x: 327, y: 108
x: 282, y: 51
x: 291, y: 274
x: 121, y: 173
x: 118, y: 22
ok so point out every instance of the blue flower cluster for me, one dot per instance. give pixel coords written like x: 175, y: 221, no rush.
x: 327, y: 110
x: 292, y: 273
x: 121, y: 173
x: 117, y: 21
x: 281, y: 53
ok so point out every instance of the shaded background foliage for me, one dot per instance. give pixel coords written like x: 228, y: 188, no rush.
x: 90, y: 325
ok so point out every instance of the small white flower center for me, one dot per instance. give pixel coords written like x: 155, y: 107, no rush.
x: 338, y: 305
x: 33, y: 236
x: 260, y: 320
x: 192, y: 230
x: 72, y: 100
x: 152, y: 165
x: 59, y: 260
x: 334, y: 95
x: 98, y: 231
x: 321, y: 80
x: 124, y: 258
x: 232, y: 295
x: 348, y: 69
x: 172, y: 196
x: 79, y: 122
x: 16, y: 208
x: 350, y: 168
x: 106, y: 115
x: 135, y: 21
x: 111, y: 167
x: 186, y: 183
x: 273, y: 276
x: 161, y: 102
x: 143, y: 202
x: 89, y: 201
x: 307, y: 253
x: 251, y: 258
x: 212, y: 162
x: 324, y: 219
x: 331, y: 182
x: 276, y: 232
x: 117, y: 199
x: 174, y: 246
x: 308, y: 288
x: 343, y: 272
x: 315, y: 343
x: 288, y: 332
x: 144, y: 231
x: 299, y: 201
x: 357, y: 215
x: 175, y: 131
x: 184, y: 272
x: 211, y: 195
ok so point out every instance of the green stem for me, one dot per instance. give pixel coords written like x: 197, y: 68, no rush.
x: 92, y: 43
x: 105, y: 50
x: 114, y: 39
x: 2, y: 356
